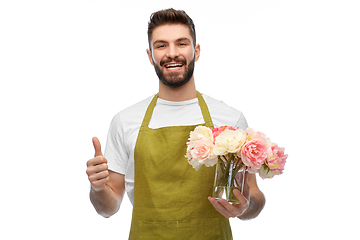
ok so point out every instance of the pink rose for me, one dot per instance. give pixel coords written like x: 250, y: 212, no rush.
x: 276, y: 158
x: 252, y: 134
x: 275, y: 163
x: 253, y: 153
x: 201, y: 152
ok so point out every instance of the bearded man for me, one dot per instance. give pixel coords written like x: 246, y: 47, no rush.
x: 145, y: 149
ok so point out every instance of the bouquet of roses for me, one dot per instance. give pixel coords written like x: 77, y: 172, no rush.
x: 234, y: 149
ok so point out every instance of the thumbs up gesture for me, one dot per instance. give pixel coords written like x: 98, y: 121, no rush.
x: 97, y: 168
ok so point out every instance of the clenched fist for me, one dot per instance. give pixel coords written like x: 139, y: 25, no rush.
x: 97, y: 168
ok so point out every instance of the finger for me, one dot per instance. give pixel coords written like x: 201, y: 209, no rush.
x: 233, y: 210
x: 96, y: 161
x: 94, y: 171
x: 219, y: 207
x: 98, y: 176
x: 97, y: 168
x: 242, y: 199
x: 97, y: 147
x: 100, y: 184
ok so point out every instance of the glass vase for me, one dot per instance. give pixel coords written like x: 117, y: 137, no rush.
x: 229, y: 176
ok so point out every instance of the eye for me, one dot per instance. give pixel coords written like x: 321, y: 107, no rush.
x: 159, y: 45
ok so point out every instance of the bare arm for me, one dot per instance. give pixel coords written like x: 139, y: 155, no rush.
x: 257, y: 200
x: 107, y: 201
x: 107, y: 187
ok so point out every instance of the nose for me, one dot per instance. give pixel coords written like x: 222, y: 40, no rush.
x: 172, y: 51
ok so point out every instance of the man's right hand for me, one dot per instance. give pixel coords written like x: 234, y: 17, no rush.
x: 97, y: 168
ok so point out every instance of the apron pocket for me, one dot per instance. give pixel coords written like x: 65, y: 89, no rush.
x: 196, y: 229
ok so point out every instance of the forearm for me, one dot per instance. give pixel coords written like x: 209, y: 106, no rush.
x: 257, y: 203
x: 105, y: 201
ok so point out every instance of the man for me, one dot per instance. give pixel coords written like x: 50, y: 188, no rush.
x: 147, y: 142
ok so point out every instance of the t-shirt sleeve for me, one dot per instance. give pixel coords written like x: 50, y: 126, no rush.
x: 115, y: 151
x: 242, y: 123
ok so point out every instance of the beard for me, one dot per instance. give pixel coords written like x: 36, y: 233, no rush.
x: 173, y: 79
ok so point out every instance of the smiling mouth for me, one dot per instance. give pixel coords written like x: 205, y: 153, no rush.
x: 173, y: 66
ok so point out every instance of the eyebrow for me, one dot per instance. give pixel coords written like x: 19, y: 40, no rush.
x: 177, y: 40
x: 159, y: 41
x: 183, y: 39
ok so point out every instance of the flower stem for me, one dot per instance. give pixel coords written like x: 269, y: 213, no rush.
x: 228, y: 167
x: 245, y: 173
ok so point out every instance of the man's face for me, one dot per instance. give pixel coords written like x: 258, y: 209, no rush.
x: 173, y: 54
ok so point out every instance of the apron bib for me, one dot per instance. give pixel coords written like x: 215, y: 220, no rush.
x: 170, y: 197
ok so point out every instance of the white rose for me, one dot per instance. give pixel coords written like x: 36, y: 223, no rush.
x: 201, y: 132
x: 229, y: 141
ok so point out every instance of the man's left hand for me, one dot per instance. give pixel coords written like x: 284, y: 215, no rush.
x: 229, y: 210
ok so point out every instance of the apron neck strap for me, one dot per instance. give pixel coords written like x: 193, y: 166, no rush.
x: 203, y: 106
x: 205, y: 111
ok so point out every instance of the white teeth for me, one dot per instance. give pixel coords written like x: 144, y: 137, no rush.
x: 173, y: 65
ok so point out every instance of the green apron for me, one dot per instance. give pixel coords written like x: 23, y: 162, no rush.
x: 170, y: 197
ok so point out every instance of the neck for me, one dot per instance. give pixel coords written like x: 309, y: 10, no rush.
x: 183, y: 93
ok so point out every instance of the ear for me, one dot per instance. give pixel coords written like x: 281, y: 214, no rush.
x: 197, y: 52
x: 150, y: 56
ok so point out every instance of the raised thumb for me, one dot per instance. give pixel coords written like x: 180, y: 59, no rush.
x: 97, y: 147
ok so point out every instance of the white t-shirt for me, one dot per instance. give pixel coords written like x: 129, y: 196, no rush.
x: 125, y: 126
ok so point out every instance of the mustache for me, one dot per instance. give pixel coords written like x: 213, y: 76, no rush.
x: 176, y: 59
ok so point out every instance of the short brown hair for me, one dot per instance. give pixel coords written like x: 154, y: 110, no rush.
x: 170, y: 16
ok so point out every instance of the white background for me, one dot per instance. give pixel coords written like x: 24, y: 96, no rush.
x: 67, y: 67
